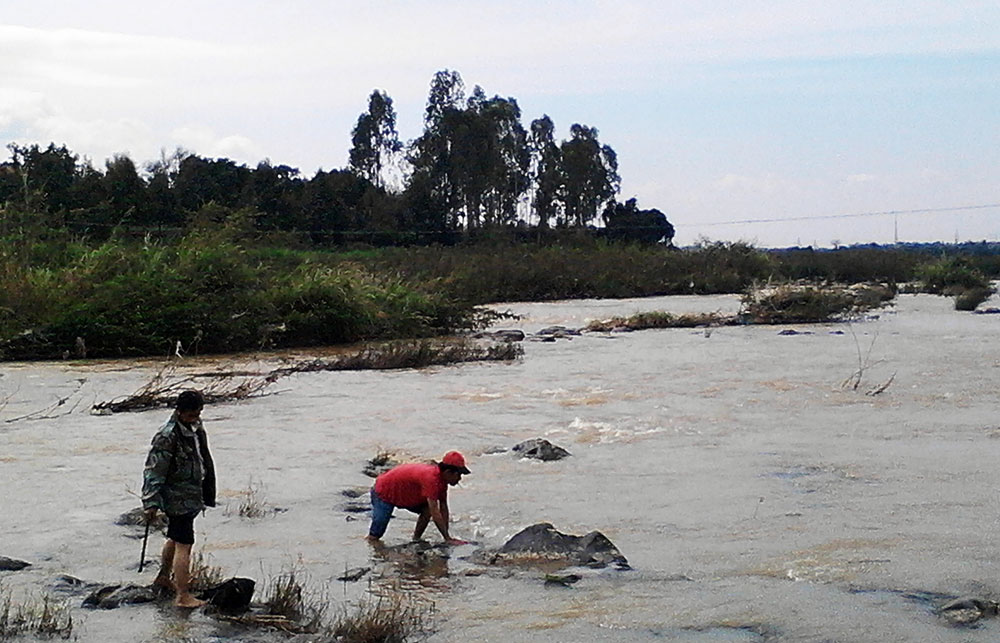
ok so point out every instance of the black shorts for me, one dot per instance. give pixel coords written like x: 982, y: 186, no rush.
x: 180, y: 529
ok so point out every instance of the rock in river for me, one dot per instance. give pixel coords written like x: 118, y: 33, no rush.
x: 544, y: 541
x: 540, y: 449
x: 968, y: 609
x: 112, y: 596
x: 12, y: 564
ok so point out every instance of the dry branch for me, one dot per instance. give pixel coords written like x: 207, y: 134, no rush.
x: 163, y: 389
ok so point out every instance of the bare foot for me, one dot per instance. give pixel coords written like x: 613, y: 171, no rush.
x: 188, y: 601
x: 163, y: 582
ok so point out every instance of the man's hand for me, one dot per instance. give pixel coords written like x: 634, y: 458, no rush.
x: 456, y: 541
x: 150, y: 515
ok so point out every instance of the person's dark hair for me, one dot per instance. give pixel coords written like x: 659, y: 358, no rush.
x: 448, y: 467
x: 190, y: 401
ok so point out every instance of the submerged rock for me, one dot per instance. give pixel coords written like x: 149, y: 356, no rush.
x: 506, y: 335
x: 12, y: 564
x: 66, y: 584
x: 968, y: 609
x: 540, y: 449
x: 354, y: 574
x: 558, y: 331
x: 543, y: 541
x: 562, y: 579
x: 111, y: 596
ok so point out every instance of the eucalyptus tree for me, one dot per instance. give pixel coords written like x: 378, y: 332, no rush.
x: 431, y: 154
x: 374, y: 141
x: 125, y: 189
x: 507, y: 159
x: 547, y: 176
x: 591, y: 172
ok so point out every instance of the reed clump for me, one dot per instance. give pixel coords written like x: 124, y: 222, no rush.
x: 204, y: 575
x: 43, y: 617
x: 252, y: 504
x: 392, y: 618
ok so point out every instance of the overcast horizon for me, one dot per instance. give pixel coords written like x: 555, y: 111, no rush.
x: 768, y: 124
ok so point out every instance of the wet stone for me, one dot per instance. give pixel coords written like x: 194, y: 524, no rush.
x: 114, y: 596
x: 231, y: 596
x: 66, y: 584
x: 967, y: 609
x: 542, y: 540
x: 540, y: 449
x: 12, y: 564
x: 354, y: 574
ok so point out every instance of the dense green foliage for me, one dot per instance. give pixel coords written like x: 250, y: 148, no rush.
x: 223, y: 287
x: 208, y: 293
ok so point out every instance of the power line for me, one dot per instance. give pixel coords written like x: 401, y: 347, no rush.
x: 855, y: 215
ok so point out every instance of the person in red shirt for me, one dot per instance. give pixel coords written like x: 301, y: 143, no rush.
x: 420, y: 488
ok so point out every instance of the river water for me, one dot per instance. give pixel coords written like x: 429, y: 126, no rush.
x: 756, y: 497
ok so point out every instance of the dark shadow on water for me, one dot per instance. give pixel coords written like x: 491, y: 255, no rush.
x: 414, y: 565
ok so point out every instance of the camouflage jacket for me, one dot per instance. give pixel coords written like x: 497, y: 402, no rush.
x: 179, y: 477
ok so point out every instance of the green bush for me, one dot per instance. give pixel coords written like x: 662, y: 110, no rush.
x: 950, y: 276
x: 971, y: 298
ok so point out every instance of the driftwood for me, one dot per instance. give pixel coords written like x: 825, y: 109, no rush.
x: 47, y: 412
x: 226, y: 386
x: 163, y: 389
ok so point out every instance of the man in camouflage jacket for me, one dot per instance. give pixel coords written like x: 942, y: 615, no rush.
x: 179, y: 480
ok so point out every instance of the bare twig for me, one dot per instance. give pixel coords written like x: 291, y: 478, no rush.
x: 879, y: 389
x: 43, y: 414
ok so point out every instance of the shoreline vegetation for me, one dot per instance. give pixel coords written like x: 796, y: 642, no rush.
x: 222, y: 290
x: 190, y: 255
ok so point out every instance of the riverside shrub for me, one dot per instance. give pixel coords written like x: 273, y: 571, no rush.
x: 205, y: 295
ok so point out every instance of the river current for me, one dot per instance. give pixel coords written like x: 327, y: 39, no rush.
x: 756, y: 497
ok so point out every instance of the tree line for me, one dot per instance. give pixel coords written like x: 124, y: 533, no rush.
x: 474, y: 169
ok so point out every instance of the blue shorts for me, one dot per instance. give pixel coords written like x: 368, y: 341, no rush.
x: 382, y: 513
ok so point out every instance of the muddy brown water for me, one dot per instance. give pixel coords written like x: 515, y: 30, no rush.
x: 756, y: 498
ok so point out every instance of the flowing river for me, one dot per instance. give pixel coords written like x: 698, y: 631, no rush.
x: 756, y: 496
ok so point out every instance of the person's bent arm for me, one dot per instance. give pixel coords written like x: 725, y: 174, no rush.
x: 439, y: 514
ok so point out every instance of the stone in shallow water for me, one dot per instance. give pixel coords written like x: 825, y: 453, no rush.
x: 968, y: 609
x: 540, y: 449
x: 12, y: 564
x: 112, y: 596
x: 542, y: 540
x: 231, y: 596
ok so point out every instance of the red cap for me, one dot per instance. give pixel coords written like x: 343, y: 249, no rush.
x: 455, y: 459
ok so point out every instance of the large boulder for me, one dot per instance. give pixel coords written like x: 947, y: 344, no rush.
x: 540, y: 449
x: 543, y: 541
x: 12, y: 564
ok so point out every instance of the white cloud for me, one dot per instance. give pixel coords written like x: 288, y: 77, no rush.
x: 206, y: 142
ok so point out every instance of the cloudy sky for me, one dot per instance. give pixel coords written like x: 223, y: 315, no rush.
x: 779, y: 122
